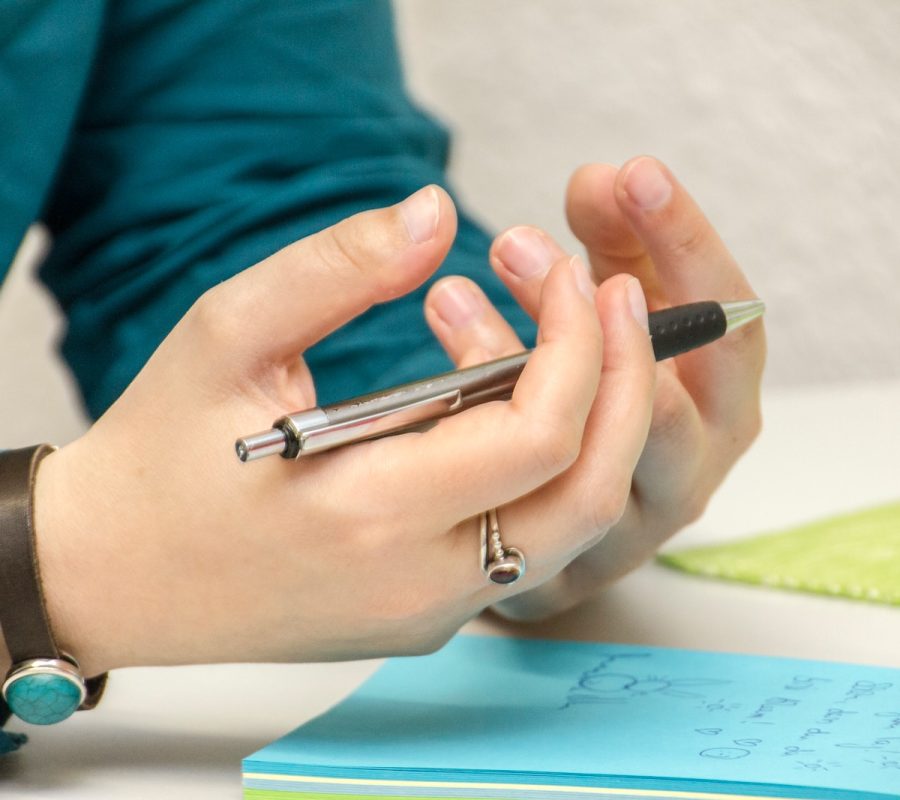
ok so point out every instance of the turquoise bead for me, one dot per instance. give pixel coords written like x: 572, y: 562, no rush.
x: 43, y: 699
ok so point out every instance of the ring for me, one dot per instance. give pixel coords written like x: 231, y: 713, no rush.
x: 501, y: 564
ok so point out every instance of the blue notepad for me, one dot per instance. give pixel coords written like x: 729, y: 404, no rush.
x: 504, y: 718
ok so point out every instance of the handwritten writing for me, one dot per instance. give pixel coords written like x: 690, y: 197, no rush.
x: 893, y: 716
x: 790, y: 722
x: 864, y: 689
x: 833, y: 715
x: 771, y: 704
x: 800, y: 683
x: 725, y: 753
x: 811, y: 732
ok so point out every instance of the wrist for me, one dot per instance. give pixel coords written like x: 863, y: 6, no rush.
x: 44, y: 683
x: 69, y: 563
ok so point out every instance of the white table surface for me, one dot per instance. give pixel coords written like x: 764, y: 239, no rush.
x: 182, y: 732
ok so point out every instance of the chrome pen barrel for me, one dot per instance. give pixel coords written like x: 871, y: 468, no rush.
x: 420, y: 404
x: 413, y: 406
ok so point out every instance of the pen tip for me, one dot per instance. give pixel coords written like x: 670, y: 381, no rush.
x: 741, y: 312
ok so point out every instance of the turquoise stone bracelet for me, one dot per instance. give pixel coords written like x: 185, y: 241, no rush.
x: 44, y: 691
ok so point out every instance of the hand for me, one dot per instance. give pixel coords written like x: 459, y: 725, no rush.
x: 157, y: 546
x: 705, y: 410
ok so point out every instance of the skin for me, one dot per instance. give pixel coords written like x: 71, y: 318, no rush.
x: 167, y: 550
x: 706, y: 408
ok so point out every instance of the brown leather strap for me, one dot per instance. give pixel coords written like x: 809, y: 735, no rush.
x: 23, y: 615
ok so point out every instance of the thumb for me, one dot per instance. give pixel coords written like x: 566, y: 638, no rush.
x: 278, y: 308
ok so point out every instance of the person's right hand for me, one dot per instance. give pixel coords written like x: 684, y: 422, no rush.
x: 157, y: 546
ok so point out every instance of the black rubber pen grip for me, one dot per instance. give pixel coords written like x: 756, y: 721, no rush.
x: 676, y: 330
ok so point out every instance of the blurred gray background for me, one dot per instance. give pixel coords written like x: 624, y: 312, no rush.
x: 781, y: 116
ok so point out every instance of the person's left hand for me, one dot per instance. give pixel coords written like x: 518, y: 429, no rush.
x: 637, y: 220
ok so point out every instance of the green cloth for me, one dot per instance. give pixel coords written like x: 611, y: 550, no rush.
x: 854, y: 555
x: 168, y: 144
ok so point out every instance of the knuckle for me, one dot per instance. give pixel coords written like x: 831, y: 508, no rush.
x: 691, y: 241
x: 748, y: 345
x: 608, y: 509
x: 693, y: 507
x: 211, y: 316
x: 556, y: 446
x: 356, y: 247
x: 674, y: 418
x: 751, y: 427
x: 346, y: 249
x: 739, y: 431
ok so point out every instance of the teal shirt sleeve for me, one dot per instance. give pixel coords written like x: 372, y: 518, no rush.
x: 213, y: 133
x: 46, y: 52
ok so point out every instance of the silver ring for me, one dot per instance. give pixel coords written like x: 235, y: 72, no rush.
x: 501, y: 564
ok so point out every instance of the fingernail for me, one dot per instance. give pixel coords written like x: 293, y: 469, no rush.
x: 456, y: 303
x: 582, y: 277
x: 637, y: 303
x: 525, y: 252
x: 420, y: 214
x: 646, y: 185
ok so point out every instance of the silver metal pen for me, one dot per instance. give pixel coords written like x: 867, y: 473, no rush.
x: 418, y: 405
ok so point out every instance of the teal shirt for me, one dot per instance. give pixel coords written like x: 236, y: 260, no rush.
x: 168, y: 144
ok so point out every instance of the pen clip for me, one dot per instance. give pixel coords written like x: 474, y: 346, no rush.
x: 408, y: 416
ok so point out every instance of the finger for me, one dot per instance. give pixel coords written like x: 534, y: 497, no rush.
x: 596, y: 219
x: 468, y: 326
x: 670, y: 484
x: 662, y: 498
x: 560, y: 520
x: 692, y: 264
x: 496, y: 452
x: 684, y: 246
x: 522, y: 257
x: 682, y: 464
x: 276, y: 309
x: 677, y: 436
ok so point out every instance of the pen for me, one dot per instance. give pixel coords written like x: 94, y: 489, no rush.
x: 418, y: 405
